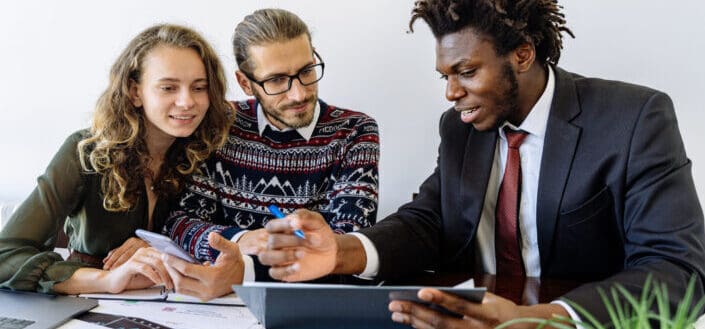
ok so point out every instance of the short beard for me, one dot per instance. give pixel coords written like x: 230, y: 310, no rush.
x: 297, y: 125
x: 278, y: 119
x: 511, y: 94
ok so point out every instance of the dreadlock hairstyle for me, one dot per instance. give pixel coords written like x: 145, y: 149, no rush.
x: 508, y: 23
x: 116, y: 148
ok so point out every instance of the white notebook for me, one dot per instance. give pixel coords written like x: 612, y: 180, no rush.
x: 159, y: 293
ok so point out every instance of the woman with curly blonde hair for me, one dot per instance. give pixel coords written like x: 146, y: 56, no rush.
x: 163, y: 113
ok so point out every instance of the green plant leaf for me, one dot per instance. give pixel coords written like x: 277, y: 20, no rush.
x: 664, y: 309
x: 585, y: 314
x: 681, y: 317
x: 616, y: 314
x: 697, y: 310
x: 627, y: 312
x: 555, y: 322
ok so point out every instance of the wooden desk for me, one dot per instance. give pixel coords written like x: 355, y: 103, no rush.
x: 525, y: 291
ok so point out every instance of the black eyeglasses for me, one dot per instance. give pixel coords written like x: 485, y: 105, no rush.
x: 281, y: 84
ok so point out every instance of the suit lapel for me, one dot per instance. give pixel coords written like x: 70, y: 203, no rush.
x: 475, y: 174
x: 559, y: 148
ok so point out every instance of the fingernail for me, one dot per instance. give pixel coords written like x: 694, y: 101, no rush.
x: 294, y: 267
x: 294, y: 222
x: 398, y: 317
x: 425, y: 295
x: 299, y: 254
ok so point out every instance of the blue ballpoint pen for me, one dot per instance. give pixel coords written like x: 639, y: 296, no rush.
x: 278, y: 214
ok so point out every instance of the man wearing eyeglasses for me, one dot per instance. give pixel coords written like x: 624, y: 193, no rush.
x: 286, y: 147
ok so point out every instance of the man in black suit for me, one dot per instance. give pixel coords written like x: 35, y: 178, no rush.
x: 541, y: 173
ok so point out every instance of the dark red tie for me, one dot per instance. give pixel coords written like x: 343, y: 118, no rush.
x: 506, y: 243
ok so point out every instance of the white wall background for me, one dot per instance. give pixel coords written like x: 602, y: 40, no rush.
x: 55, y: 57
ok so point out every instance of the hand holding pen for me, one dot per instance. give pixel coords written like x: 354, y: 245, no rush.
x: 278, y: 214
x: 292, y: 258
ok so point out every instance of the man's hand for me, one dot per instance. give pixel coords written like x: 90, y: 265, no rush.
x: 295, y: 259
x: 253, y: 242
x: 121, y: 254
x: 208, y: 281
x: 493, y: 311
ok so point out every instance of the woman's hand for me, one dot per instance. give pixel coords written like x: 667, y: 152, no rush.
x: 144, y: 269
x: 120, y: 255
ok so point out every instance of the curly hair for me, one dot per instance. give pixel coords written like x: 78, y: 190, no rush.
x: 508, y: 23
x: 116, y: 148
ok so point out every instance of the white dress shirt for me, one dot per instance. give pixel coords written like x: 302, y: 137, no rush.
x: 530, y: 152
x: 305, y: 132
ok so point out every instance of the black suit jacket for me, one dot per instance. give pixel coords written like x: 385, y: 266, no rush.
x: 616, y: 198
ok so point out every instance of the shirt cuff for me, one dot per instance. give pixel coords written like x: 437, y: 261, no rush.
x: 237, y: 235
x: 372, y: 265
x: 249, y: 273
x: 573, y: 315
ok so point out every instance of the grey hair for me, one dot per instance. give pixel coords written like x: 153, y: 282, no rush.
x: 265, y: 26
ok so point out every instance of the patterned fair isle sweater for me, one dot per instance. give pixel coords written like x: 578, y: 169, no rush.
x: 333, y: 173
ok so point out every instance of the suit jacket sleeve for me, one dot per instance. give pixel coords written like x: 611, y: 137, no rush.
x: 662, y: 220
x: 409, y: 240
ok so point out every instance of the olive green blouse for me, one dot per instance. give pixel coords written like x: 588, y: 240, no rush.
x: 65, y: 191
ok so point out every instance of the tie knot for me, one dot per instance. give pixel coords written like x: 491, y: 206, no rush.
x: 514, y: 137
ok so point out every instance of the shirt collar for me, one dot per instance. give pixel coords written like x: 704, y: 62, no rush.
x: 535, y: 123
x: 305, y: 132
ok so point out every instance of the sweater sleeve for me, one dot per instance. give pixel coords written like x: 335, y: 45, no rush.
x: 354, y: 193
x: 27, y: 260
x: 192, y: 218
